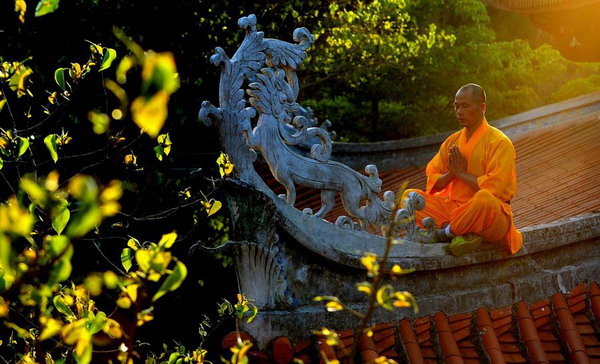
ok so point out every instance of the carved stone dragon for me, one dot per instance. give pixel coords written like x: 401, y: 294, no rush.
x: 266, y: 68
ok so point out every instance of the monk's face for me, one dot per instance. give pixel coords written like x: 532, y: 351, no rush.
x: 469, y: 112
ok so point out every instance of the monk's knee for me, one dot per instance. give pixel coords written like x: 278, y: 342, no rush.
x: 485, y: 198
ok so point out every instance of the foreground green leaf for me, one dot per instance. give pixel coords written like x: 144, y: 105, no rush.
x: 50, y: 142
x: 59, y: 77
x: 173, y: 281
x: 108, y: 59
x: 46, y: 7
x: 22, y: 146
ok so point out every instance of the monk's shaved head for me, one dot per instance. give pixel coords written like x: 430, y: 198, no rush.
x: 475, y: 91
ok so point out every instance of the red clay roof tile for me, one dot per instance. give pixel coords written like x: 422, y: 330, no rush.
x: 579, y: 290
x: 535, y: 344
x: 258, y: 357
x: 491, y: 344
x: 302, y: 345
x: 282, y: 350
x: 457, y: 325
x: 529, y: 335
x: 538, y: 305
x: 386, y: 343
x: 500, y: 313
x: 462, y: 334
x: 230, y: 340
x: 568, y: 330
x: 409, y: 340
x: 325, y: 349
x: 369, y: 355
x: 366, y: 343
x: 542, y: 321
x: 460, y: 317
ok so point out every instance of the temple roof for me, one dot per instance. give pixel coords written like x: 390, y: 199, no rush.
x: 556, y: 170
x: 561, y: 329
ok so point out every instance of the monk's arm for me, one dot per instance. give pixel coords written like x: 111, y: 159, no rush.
x: 469, y: 180
x: 442, y: 182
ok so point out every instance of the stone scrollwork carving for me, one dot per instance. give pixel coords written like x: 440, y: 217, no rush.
x: 405, y: 219
x: 266, y: 69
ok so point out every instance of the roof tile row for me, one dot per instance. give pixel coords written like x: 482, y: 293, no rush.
x: 563, y: 329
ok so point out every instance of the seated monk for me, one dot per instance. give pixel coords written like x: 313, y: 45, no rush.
x: 471, y: 181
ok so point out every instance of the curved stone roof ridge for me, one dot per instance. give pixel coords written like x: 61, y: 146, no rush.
x: 326, y: 240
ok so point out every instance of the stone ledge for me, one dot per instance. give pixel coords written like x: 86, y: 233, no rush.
x: 346, y: 247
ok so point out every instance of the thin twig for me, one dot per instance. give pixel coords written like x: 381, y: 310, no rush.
x: 108, y: 260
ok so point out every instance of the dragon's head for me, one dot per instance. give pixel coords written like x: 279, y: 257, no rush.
x: 272, y: 94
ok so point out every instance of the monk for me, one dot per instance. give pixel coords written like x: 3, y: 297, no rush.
x: 471, y: 181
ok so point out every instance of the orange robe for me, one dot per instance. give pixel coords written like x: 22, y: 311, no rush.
x: 490, y: 157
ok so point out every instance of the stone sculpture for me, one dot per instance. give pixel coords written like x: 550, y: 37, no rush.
x: 266, y: 69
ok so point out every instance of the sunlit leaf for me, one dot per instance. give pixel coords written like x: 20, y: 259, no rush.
x: 112, y: 328
x: 144, y: 316
x: 77, y: 334
x: 165, y: 141
x: 62, y: 269
x: 225, y: 165
x: 253, y: 313
x: 159, y: 73
x: 83, y: 188
x: 19, y: 79
x: 59, y: 77
x: 124, y: 302
x: 130, y: 160
x: 3, y: 307
x: 97, y: 322
x: 159, y: 152
x: 34, y: 191
x: 99, y: 121
x: 93, y: 283
x: 51, y: 327
x: 22, y: 147
x: 61, y: 306
x: 150, y: 114
x: 173, y: 281
x: 168, y: 240
x: 46, y: 7
x: 60, y: 215
x: 21, y: 332
x: 173, y: 358
x: 108, y: 59
x: 58, y: 244
x: 127, y: 258
x: 50, y: 142
x: 142, y: 258
x: 133, y: 243
x: 124, y: 66
x: 365, y: 287
x: 333, y: 306
x: 21, y: 8
x: 211, y: 207
x: 84, y: 221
